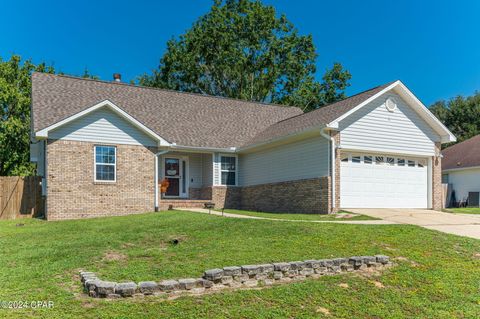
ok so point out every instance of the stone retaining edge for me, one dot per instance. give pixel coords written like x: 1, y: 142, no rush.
x: 247, y: 276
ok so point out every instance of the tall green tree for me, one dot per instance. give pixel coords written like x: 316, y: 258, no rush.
x: 15, y: 91
x: 243, y: 49
x: 460, y: 114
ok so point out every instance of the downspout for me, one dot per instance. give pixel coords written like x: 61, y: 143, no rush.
x: 156, y: 177
x: 332, y: 161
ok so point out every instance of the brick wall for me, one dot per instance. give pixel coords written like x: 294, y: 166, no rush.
x: 336, y: 136
x: 437, y: 179
x: 309, y: 196
x: 227, y: 196
x: 72, y: 192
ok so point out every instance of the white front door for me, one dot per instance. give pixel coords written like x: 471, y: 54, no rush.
x: 175, y: 171
x: 383, y: 181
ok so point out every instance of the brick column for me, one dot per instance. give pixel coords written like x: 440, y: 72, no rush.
x: 437, y: 179
x: 336, y: 136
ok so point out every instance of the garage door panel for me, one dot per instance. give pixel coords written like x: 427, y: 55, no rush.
x: 370, y: 185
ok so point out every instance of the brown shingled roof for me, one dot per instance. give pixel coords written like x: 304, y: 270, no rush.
x: 182, y: 118
x: 186, y: 119
x: 323, y: 115
x: 462, y: 155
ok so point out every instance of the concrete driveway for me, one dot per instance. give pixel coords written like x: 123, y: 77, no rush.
x: 458, y: 224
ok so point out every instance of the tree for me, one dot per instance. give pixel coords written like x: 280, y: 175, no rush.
x: 461, y: 115
x: 242, y: 49
x: 15, y: 91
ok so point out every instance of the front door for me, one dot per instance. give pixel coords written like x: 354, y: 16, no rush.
x: 175, y: 173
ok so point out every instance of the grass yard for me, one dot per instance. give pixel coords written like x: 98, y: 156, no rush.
x: 337, y: 217
x: 437, y: 276
x: 464, y: 210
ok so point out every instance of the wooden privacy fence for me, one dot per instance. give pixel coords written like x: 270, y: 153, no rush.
x: 20, y: 197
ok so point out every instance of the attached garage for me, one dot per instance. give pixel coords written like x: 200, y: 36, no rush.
x: 383, y: 181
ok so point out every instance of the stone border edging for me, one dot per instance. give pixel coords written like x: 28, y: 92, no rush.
x: 248, y: 276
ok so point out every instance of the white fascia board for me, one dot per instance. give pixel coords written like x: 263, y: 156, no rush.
x: 460, y: 169
x: 43, y: 134
x: 444, y: 132
x: 174, y: 146
x: 413, y: 101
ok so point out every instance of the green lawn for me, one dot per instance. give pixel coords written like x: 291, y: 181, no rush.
x: 437, y: 276
x: 464, y: 210
x: 342, y: 215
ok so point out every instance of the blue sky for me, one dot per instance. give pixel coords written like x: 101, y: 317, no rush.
x: 433, y: 46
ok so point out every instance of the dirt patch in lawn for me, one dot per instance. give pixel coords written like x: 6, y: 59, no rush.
x: 112, y: 255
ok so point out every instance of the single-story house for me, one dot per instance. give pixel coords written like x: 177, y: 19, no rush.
x: 103, y: 148
x: 461, y: 170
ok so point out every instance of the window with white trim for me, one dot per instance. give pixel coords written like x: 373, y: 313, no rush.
x: 228, y: 169
x: 105, y: 168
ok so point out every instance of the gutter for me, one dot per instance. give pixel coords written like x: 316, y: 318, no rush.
x: 156, y: 177
x: 209, y: 149
x: 331, y: 163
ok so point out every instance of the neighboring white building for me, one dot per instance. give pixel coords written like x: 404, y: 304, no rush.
x: 461, y: 170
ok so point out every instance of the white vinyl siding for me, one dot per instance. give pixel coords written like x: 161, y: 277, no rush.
x: 374, y: 128
x: 102, y: 126
x: 207, y: 169
x: 299, y: 160
x: 464, y: 181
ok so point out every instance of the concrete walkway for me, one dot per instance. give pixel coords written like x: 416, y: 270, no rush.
x: 359, y: 222
x: 457, y: 224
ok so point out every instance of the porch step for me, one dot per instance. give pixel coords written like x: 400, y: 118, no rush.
x: 182, y: 203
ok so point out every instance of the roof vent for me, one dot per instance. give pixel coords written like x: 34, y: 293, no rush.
x: 117, y: 77
x: 391, y: 104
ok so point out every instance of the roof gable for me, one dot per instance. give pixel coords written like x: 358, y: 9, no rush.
x: 44, y: 133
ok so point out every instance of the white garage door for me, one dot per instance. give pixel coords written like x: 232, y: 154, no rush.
x: 383, y: 181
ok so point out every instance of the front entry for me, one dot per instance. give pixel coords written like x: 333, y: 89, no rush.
x: 175, y: 172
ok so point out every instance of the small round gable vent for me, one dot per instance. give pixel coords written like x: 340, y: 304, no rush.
x: 391, y: 104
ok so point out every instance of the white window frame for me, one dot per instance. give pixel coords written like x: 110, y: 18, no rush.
x: 95, y: 165
x: 223, y: 170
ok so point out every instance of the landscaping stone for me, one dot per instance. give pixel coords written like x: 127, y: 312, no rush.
x: 168, y: 285
x: 213, y: 274
x: 104, y: 288
x: 232, y: 271
x: 147, y: 287
x: 251, y: 269
x: 247, y: 276
x: 187, y: 284
x: 126, y: 289
x: 312, y: 263
x: 281, y: 266
x: 368, y: 260
x: 227, y: 280
x: 266, y: 268
x: 339, y: 261
x: 297, y: 265
x: 382, y: 259
x: 202, y: 282
x: 356, y: 261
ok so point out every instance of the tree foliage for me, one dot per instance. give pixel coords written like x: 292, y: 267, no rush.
x: 460, y: 114
x: 15, y: 91
x: 242, y: 49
